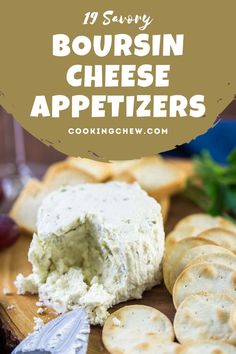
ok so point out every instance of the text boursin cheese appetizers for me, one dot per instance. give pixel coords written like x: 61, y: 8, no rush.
x: 97, y: 245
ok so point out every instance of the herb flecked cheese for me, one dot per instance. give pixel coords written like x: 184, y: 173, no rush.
x: 96, y: 245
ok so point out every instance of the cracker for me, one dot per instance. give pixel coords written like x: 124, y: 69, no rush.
x: 165, y: 206
x: 173, y: 255
x: 118, y: 168
x: 184, y: 164
x: 63, y: 174
x: 222, y: 237
x: 100, y: 171
x: 207, y: 347
x: 205, y: 317
x: 156, y: 348
x: 134, y: 326
x: 196, y: 252
x: 159, y: 178
x: 193, y: 225
x: 228, y: 259
x: 25, y: 209
x: 125, y: 176
x: 178, y: 235
x: 204, y: 221
x: 204, y: 277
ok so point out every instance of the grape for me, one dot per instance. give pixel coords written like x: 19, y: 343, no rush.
x: 9, y: 231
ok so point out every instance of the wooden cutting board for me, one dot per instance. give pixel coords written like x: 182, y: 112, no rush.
x: 17, y: 322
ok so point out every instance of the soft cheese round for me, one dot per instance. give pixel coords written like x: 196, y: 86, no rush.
x: 124, y: 207
x: 97, y: 245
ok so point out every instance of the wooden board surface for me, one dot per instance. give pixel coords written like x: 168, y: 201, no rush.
x: 16, y: 323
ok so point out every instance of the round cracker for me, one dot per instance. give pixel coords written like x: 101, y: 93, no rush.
x: 173, y: 255
x: 207, y: 347
x: 193, y: 225
x: 204, y: 277
x: 178, y: 235
x: 133, y: 326
x: 188, y: 256
x: 205, y: 317
x: 205, y: 221
x: 228, y: 259
x: 165, y: 207
x: 221, y: 237
x: 154, y: 348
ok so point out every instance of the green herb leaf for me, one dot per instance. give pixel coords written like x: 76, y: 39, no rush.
x: 213, y: 187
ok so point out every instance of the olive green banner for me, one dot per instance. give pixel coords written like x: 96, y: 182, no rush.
x: 117, y: 80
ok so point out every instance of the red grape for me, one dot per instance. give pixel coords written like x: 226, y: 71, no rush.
x: 9, y: 231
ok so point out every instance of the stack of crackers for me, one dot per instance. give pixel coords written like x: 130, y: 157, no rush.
x: 140, y: 329
x: 158, y: 177
x: 200, y: 272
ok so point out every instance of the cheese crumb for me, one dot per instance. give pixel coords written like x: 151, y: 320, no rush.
x: 116, y: 322
x: 85, y: 331
x: 77, y: 346
x: 10, y: 307
x: 41, y: 311
x: 6, y: 291
x: 38, y: 323
x: 39, y: 304
x: 26, y: 284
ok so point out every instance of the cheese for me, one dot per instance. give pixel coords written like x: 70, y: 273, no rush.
x: 96, y: 245
x: 38, y: 323
x: 29, y: 284
x: 6, y: 291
